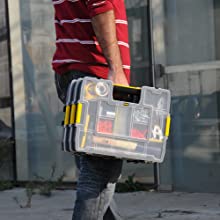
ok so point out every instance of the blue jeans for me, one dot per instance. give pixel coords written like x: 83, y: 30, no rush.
x: 97, y: 176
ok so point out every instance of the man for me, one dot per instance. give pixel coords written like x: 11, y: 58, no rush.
x: 92, y: 40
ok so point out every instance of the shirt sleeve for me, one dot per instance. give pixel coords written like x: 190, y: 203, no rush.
x: 96, y: 7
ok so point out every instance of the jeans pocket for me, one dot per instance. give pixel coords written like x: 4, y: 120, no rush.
x: 62, y: 82
x: 61, y: 89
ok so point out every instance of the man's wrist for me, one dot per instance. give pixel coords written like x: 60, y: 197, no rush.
x: 117, y: 71
x: 107, y: 45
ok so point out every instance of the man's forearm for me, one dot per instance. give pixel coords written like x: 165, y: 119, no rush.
x: 105, y: 30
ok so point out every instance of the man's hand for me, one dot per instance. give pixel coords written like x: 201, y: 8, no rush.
x: 118, y: 78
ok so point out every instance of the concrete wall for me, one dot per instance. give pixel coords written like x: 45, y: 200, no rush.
x: 186, y: 39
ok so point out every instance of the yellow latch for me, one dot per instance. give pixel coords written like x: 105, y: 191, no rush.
x: 72, y: 114
x: 167, y: 130
x: 67, y: 115
x: 79, y: 113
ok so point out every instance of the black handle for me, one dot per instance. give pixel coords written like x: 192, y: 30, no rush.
x: 126, y: 94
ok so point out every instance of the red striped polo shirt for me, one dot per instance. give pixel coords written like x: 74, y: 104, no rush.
x: 77, y: 47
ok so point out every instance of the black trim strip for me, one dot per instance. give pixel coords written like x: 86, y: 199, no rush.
x: 11, y: 88
x: 153, y: 79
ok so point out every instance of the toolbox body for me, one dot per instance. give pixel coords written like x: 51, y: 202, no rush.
x: 111, y: 120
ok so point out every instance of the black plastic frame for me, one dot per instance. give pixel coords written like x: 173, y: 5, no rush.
x: 11, y: 88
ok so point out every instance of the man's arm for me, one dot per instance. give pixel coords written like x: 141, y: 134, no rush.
x: 105, y: 29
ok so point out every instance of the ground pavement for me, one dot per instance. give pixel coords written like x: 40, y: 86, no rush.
x: 132, y: 206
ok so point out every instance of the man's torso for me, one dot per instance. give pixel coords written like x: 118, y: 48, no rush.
x: 76, y: 45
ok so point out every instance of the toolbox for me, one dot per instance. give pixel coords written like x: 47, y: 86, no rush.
x: 103, y: 119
